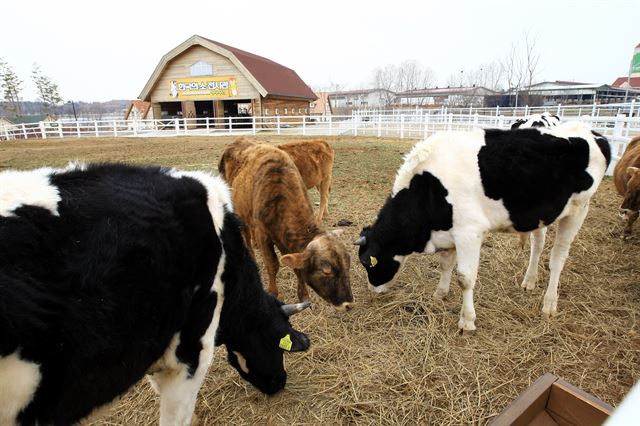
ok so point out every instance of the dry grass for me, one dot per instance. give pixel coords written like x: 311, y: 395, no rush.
x: 398, y: 359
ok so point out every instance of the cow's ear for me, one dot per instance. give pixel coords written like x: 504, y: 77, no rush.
x: 294, y: 260
x: 632, y: 170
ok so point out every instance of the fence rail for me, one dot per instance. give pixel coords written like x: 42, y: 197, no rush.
x: 618, y: 129
x: 606, y: 110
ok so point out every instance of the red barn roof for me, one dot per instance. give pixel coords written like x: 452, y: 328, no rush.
x: 268, y: 77
x: 634, y: 82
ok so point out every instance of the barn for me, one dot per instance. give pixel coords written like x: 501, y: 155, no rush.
x: 204, y: 78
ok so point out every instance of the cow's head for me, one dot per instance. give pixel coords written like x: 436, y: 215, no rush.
x: 232, y: 159
x: 256, y: 346
x: 324, y: 266
x: 381, y: 265
x: 631, y: 201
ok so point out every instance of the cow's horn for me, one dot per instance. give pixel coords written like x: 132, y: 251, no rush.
x: 294, y: 308
x: 360, y: 241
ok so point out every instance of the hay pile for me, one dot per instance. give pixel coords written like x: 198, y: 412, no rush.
x: 398, y: 358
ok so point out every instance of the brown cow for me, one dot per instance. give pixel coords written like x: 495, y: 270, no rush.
x: 314, y: 160
x: 626, y: 176
x: 270, y: 197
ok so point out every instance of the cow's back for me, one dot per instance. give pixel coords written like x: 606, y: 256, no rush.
x: 630, y: 158
x: 269, y: 194
x: 314, y: 159
x: 103, y: 283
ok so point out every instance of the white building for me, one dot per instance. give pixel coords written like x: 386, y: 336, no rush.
x: 361, y: 99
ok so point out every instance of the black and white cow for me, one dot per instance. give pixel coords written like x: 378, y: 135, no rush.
x: 455, y: 187
x: 111, y: 272
x: 546, y: 119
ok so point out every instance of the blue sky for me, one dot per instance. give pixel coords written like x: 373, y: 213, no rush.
x: 102, y: 51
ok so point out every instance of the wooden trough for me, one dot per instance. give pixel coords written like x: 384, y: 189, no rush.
x: 552, y: 401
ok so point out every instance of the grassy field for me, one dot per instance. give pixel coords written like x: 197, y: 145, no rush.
x: 398, y: 358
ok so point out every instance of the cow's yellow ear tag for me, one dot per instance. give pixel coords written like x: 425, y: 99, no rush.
x: 374, y: 261
x: 286, y: 343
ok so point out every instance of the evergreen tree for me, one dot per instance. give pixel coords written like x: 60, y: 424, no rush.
x: 47, y: 90
x: 11, y: 87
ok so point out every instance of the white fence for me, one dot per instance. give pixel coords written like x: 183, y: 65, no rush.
x: 596, y: 110
x: 618, y: 129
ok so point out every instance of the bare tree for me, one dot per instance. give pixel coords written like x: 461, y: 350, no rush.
x: 47, y: 90
x: 385, y: 78
x: 531, y: 58
x: 409, y: 75
x: 520, y: 68
x: 491, y: 76
x: 11, y: 86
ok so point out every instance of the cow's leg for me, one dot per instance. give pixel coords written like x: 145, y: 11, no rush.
x: 324, y: 188
x: 178, y: 390
x: 631, y: 218
x: 537, y: 244
x: 303, y: 293
x: 271, y: 262
x: 468, y: 250
x: 246, y: 232
x: 568, y: 227
x: 447, y: 260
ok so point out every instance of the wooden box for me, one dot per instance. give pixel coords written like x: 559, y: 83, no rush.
x: 552, y: 401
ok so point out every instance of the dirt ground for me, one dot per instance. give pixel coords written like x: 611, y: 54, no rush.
x: 398, y: 358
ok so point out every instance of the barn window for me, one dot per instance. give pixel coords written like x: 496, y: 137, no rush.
x: 306, y: 110
x: 201, y: 68
x: 277, y: 111
x: 286, y: 110
x: 266, y: 111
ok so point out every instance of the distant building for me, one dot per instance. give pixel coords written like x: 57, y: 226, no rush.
x: 632, y: 81
x: 550, y: 93
x: 444, y: 96
x: 321, y: 106
x: 139, y: 110
x: 361, y: 99
x: 30, y: 119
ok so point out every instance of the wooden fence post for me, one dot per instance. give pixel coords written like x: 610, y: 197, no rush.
x: 43, y: 130
x: 24, y: 131
x: 95, y: 126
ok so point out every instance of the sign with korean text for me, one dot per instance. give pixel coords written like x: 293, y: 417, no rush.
x: 203, y: 87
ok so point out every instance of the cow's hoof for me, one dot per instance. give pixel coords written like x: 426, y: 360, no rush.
x: 464, y: 332
x: 439, y: 295
x: 549, y: 312
x: 466, y: 327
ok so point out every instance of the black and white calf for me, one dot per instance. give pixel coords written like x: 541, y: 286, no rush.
x: 111, y: 272
x: 546, y: 119
x: 455, y: 187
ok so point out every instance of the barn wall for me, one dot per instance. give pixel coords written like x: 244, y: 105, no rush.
x: 179, y: 67
x: 270, y: 104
